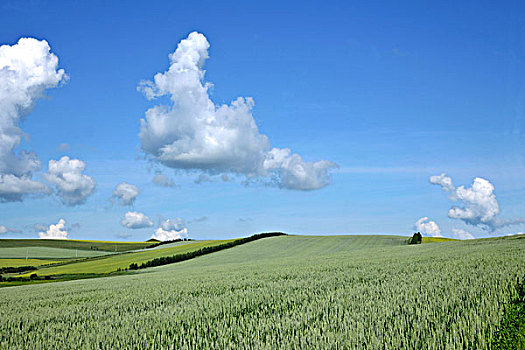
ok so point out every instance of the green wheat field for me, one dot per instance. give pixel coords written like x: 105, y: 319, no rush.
x: 337, y: 292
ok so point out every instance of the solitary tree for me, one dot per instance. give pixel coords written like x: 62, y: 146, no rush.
x: 415, y: 239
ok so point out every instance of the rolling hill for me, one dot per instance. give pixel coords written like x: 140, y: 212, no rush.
x: 282, y: 292
x: 114, y: 262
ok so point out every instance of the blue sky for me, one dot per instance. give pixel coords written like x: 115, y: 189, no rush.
x: 392, y: 92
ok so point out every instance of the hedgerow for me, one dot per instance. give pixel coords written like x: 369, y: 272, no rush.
x: 202, y: 251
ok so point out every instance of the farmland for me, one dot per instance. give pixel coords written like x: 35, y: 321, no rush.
x: 437, y: 239
x: 74, y: 244
x: 26, y: 262
x: 282, y: 292
x: 47, y: 253
x: 115, y: 262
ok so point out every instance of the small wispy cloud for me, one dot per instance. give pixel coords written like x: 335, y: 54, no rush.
x: 245, y: 219
x: 124, y: 235
x: 5, y: 229
x: 63, y: 147
x: 163, y: 181
x: 199, y: 219
x: 461, y: 234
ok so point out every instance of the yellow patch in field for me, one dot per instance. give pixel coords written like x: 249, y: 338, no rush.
x: 437, y: 239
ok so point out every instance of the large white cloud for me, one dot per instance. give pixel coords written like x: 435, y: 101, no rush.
x: 72, y: 186
x: 57, y: 231
x: 194, y: 133
x: 126, y: 193
x: 480, y: 207
x: 427, y: 227
x: 135, y: 220
x: 27, y: 69
x: 170, y: 230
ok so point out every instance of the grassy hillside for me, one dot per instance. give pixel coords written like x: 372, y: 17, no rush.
x: 24, y: 262
x: 168, y: 245
x: 304, y: 247
x: 291, y: 291
x: 74, y: 244
x: 112, y: 263
x: 48, y: 253
x: 282, y: 292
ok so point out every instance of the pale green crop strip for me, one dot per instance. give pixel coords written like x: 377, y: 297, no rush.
x: 283, y: 292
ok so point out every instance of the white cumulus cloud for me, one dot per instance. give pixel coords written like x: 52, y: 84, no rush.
x: 27, y: 69
x: 57, y: 231
x: 444, y: 181
x: 192, y: 133
x: 172, y: 224
x: 72, y: 186
x: 480, y: 207
x: 427, y: 227
x: 461, y: 234
x: 13, y: 188
x: 135, y: 220
x: 126, y: 193
x: 170, y: 230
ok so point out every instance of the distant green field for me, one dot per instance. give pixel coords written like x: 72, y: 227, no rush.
x: 292, y: 292
x: 73, y: 244
x: 174, y: 244
x: 24, y: 262
x: 48, y: 253
x: 309, y: 247
x: 112, y: 263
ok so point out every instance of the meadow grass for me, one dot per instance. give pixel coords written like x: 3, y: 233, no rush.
x: 24, y: 262
x: 112, y: 263
x: 48, y: 253
x: 169, y: 245
x: 282, y: 292
x: 74, y: 244
x: 511, y: 334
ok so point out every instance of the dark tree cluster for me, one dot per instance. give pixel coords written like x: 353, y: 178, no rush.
x: 13, y: 279
x: 17, y: 269
x: 415, y: 239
